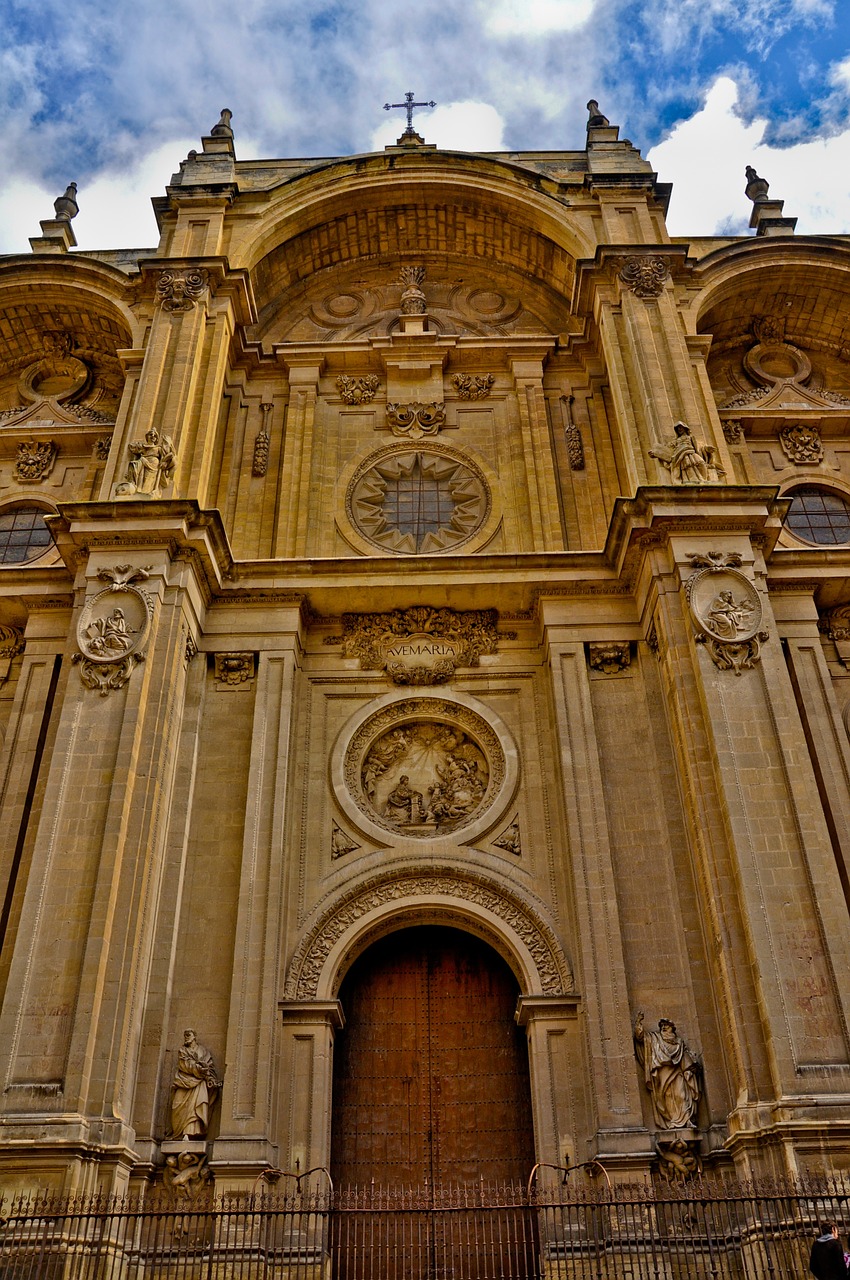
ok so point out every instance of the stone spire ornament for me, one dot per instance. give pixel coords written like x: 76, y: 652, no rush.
x: 595, y: 118
x: 766, y: 216
x: 66, y: 206
x: 223, y: 129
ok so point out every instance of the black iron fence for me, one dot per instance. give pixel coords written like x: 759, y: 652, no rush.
x: 552, y: 1230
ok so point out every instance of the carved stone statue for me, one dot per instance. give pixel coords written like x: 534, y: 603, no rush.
x: 193, y: 1089
x: 110, y: 636
x: 672, y: 1074
x: 689, y: 462
x: 151, y: 465
x: 728, y: 616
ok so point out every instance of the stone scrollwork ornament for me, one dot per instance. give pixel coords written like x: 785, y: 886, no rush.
x: 416, y: 420
x: 357, y: 390
x: 11, y: 644
x: 180, y: 290
x: 727, y: 611
x: 611, y: 657
x: 111, y: 632
x: 801, y: 443
x: 473, y: 386
x: 421, y: 645
x: 645, y: 275
x: 234, y: 669
x: 34, y: 461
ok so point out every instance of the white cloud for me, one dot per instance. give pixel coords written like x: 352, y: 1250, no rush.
x: 705, y: 158
x: 456, y: 126
x: 534, y: 17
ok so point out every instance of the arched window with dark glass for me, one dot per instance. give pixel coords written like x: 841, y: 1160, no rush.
x: 819, y: 516
x: 23, y: 535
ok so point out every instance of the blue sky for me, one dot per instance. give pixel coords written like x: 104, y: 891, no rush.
x: 113, y: 94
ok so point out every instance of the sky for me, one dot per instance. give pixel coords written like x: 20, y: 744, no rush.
x: 113, y: 95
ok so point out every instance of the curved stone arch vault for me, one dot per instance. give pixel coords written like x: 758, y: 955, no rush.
x: 466, y: 899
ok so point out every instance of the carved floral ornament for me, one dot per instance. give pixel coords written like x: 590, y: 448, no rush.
x: 357, y: 390
x: 645, y: 274
x: 410, y: 894
x: 801, y: 443
x: 113, y: 629
x: 425, y: 768
x: 34, y: 461
x: 727, y: 611
x: 412, y: 421
x: 179, y: 290
x: 422, y: 645
x: 473, y: 386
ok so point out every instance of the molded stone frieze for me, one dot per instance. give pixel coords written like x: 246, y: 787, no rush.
x: 34, y: 461
x: 421, y: 645
x: 262, y: 443
x: 416, y: 420
x: 727, y: 611
x: 341, y: 842
x: 150, y: 468
x: 610, y: 657
x: 688, y: 461
x: 11, y: 644
x: 645, y: 275
x: 357, y: 390
x: 107, y: 676
x: 801, y: 443
x: 510, y: 839
x: 520, y: 918
x: 234, y: 669
x: 733, y: 430
x: 473, y: 386
x: 180, y: 290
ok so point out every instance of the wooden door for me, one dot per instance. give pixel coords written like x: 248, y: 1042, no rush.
x: 431, y: 1077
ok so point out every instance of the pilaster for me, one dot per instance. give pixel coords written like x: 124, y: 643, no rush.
x: 303, y: 373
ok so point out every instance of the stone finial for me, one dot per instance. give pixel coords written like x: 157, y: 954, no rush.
x: 66, y: 206
x: 223, y: 129
x: 756, y: 188
x: 595, y: 118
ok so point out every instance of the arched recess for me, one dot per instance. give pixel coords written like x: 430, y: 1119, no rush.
x: 441, y: 894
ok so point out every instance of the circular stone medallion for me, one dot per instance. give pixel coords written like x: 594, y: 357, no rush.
x: 725, y: 605
x: 113, y: 624
x: 425, y: 767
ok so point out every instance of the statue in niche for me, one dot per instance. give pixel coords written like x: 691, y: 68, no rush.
x: 425, y: 774
x: 151, y: 465
x: 672, y: 1074
x: 688, y: 462
x: 193, y: 1089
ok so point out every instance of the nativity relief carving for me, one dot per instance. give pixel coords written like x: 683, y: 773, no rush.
x: 424, y: 768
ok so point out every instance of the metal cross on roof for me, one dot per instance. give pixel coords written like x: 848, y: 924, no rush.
x: 408, y: 106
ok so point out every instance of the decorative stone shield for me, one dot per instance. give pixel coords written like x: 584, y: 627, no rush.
x: 113, y: 625
x: 725, y: 605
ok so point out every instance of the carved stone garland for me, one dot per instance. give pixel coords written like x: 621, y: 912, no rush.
x: 111, y: 633
x: 262, y: 443
x: 727, y: 611
x: 305, y: 970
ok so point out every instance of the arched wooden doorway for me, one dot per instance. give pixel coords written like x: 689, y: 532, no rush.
x: 431, y: 1081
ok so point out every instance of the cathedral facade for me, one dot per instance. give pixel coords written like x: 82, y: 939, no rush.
x: 424, y: 680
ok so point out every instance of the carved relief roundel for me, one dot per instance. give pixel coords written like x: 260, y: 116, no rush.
x: 418, y: 501
x: 426, y: 768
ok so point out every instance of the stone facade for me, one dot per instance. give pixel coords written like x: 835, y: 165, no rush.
x: 355, y: 613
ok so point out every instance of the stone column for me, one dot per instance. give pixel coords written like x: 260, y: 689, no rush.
x: 248, y: 1135
x: 538, y: 452
x: 71, y: 1023
x: 613, y: 1078
x: 770, y: 890
x: 306, y: 1080
x: 555, y: 1059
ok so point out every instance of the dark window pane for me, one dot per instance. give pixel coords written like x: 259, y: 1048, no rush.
x: 23, y: 535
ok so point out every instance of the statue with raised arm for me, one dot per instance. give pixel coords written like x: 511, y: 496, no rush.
x: 671, y: 1073
x: 193, y: 1089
